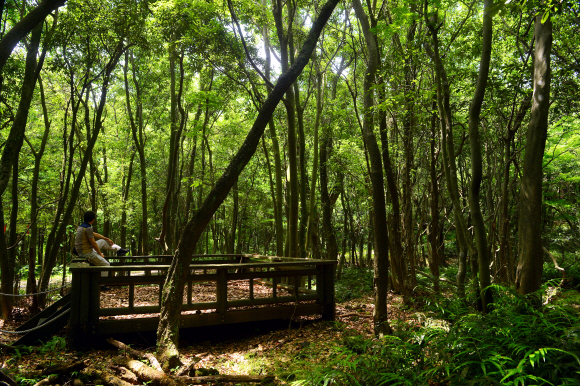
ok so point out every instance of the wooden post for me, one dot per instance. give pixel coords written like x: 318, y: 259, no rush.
x: 189, y: 292
x: 252, y: 288
x: 131, y: 295
x: 222, y: 291
x: 94, y: 296
x: 327, y: 275
x: 75, y: 326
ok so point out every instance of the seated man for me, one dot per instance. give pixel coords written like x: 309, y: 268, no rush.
x: 87, y: 247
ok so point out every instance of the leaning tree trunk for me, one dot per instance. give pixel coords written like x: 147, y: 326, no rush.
x: 530, y: 260
x: 23, y: 27
x: 172, y: 294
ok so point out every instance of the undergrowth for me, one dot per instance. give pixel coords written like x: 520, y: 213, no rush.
x: 354, y: 283
x: 514, y: 344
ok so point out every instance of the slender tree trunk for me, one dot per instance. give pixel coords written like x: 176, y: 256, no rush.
x: 477, y: 161
x: 124, y: 198
x: 397, y: 257
x: 530, y: 259
x: 289, y: 103
x: 136, y: 122
x: 52, y: 253
x: 311, y: 210
x: 408, y: 126
x: 234, y: 224
x: 9, y: 161
x: 434, y: 224
x: 448, y: 151
x: 32, y: 247
x: 381, y: 237
x: 279, y: 198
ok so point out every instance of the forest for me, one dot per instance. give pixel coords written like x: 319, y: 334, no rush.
x: 429, y: 147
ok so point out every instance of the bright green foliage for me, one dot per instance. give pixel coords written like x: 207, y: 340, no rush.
x: 515, y: 344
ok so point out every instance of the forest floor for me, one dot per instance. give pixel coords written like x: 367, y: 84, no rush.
x: 258, y: 349
x: 286, y: 350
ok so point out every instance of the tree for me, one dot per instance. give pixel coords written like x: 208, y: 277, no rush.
x: 530, y: 258
x: 381, y: 236
x: 171, y: 298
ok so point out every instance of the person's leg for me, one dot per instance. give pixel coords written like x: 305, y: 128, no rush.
x: 95, y: 259
x: 105, y: 246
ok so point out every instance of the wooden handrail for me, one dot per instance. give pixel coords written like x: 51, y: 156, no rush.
x: 86, y: 311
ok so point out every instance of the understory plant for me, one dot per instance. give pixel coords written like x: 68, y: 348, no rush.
x: 514, y: 344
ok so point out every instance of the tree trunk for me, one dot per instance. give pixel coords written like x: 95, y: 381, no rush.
x: 279, y: 201
x: 137, y: 128
x: 234, y: 224
x: 289, y: 103
x: 23, y: 27
x: 434, y: 224
x: 449, y: 165
x: 381, y: 237
x: 477, y: 161
x: 124, y: 198
x: 9, y: 160
x: 51, y: 255
x: 530, y: 259
x: 172, y: 294
x: 311, y: 210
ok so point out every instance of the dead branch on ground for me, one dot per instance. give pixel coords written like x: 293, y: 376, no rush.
x: 136, y: 353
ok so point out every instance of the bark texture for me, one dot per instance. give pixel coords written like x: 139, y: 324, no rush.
x: 530, y: 259
x: 381, y: 237
x: 477, y: 161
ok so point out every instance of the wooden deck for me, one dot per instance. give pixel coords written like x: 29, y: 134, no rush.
x: 213, y: 275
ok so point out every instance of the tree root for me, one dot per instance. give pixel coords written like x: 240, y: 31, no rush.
x: 106, y: 377
x: 136, y: 353
x: 147, y: 373
x: 65, y: 368
x: 229, y: 378
x: 5, y: 378
x: 125, y: 374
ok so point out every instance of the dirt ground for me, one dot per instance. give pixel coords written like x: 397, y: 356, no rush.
x: 251, y: 349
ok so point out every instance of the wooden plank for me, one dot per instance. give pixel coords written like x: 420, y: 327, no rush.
x: 271, y: 274
x: 309, y: 263
x: 264, y: 301
x: 139, y: 310
x: 107, y: 327
x: 44, y: 314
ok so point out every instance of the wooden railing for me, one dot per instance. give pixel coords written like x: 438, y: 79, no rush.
x: 297, y: 287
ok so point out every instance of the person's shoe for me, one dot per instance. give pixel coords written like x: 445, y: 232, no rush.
x: 105, y: 288
x: 122, y: 252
